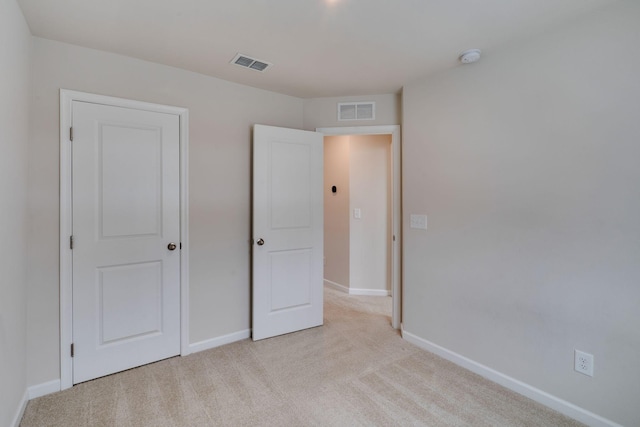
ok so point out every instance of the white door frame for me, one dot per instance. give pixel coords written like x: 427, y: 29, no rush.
x: 67, y: 97
x: 396, y: 218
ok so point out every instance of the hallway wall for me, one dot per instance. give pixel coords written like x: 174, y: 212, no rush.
x: 336, y: 210
x: 370, y: 191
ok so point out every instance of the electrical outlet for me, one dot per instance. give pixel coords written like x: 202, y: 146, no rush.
x: 418, y: 221
x: 583, y: 363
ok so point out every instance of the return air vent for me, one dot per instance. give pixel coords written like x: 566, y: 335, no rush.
x: 356, y: 111
x: 245, y: 61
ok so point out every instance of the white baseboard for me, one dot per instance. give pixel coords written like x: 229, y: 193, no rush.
x: 336, y: 286
x: 32, y: 392
x: 370, y: 292
x: 20, y: 410
x: 553, y: 402
x: 356, y: 291
x: 53, y: 386
x: 218, y: 341
x: 43, y: 389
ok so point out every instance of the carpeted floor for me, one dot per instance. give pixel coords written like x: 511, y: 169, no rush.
x: 355, y: 370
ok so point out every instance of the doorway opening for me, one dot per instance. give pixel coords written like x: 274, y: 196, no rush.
x: 362, y: 212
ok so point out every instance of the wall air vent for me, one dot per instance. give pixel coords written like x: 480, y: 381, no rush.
x: 245, y: 61
x: 356, y: 111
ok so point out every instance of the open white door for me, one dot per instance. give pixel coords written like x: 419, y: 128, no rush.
x: 287, y: 231
x: 126, y: 237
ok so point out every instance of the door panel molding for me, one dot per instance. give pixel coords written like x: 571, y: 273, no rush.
x: 67, y: 98
x: 396, y: 211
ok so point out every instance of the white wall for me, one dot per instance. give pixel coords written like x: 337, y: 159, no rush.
x: 15, y: 46
x: 370, y: 191
x: 221, y: 116
x: 526, y: 164
x: 323, y: 112
x: 336, y: 210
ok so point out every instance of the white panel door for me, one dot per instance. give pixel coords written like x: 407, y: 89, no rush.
x: 287, y: 231
x: 126, y: 212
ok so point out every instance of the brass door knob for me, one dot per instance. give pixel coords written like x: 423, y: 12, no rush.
x: 171, y: 246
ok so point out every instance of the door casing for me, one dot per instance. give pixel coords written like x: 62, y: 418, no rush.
x: 67, y: 97
x: 396, y: 214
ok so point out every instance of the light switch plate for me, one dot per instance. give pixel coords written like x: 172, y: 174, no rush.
x: 357, y: 213
x: 419, y: 222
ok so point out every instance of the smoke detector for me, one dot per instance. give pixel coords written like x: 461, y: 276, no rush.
x: 469, y: 56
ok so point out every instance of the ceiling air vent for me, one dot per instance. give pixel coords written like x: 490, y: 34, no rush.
x: 356, y: 111
x: 245, y: 61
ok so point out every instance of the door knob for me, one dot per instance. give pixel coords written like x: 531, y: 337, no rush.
x: 260, y: 242
x: 171, y: 246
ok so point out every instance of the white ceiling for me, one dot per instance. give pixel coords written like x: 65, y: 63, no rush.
x: 318, y: 47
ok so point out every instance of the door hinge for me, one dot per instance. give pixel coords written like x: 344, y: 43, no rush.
x: 394, y: 237
x: 71, y: 133
x: 70, y: 242
x: 72, y: 350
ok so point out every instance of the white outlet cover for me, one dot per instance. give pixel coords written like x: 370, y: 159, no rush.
x: 419, y: 222
x: 583, y: 363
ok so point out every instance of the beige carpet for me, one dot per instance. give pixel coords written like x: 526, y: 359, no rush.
x: 355, y: 370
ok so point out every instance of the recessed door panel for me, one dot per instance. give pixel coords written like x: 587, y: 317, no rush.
x: 130, y: 301
x: 290, y: 199
x: 290, y: 278
x: 130, y: 194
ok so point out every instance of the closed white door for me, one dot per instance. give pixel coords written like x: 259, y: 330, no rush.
x: 126, y: 213
x: 287, y: 231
